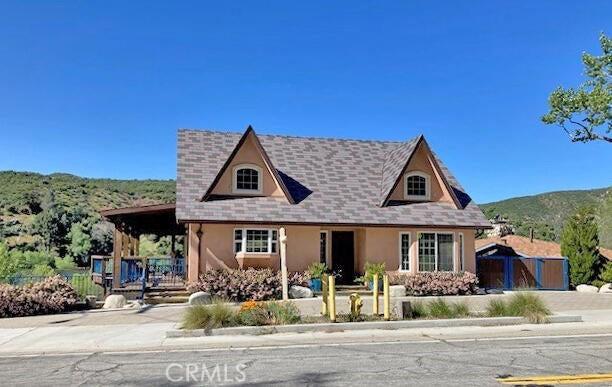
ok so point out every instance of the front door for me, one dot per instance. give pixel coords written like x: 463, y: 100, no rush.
x: 343, y: 250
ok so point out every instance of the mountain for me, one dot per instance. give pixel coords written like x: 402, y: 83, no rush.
x: 547, y: 212
x: 21, y: 195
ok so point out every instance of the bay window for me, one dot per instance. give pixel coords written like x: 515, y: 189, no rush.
x: 436, y: 251
x: 255, y: 240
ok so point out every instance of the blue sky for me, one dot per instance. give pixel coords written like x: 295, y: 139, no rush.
x: 99, y: 88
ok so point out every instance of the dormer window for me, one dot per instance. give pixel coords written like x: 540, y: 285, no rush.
x: 247, y: 179
x: 417, y: 186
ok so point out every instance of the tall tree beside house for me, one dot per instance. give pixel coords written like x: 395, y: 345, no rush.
x: 50, y: 223
x: 579, y: 243
x: 80, y: 242
x: 585, y: 113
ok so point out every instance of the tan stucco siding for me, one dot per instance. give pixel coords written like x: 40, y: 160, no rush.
x: 373, y: 244
x: 421, y: 162
x: 248, y: 154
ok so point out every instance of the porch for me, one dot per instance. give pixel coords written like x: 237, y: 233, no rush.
x: 126, y: 270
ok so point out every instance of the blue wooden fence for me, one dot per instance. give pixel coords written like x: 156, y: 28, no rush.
x: 501, y: 272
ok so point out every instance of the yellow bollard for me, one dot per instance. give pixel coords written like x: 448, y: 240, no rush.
x: 332, y: 299
x: 375, y: 295
x: 386, y: 297
x: 325, y: 295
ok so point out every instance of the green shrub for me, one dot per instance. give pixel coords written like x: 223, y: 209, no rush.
x: 317, y: 270
x: 460, y: 309
x: 216, y: 315
x: 497, y: 308
x: 439, y: 308
x: 529, y: 306
x: 419, y: 310
x: 606, y: 274
x: 371, y: 269
x: 270, y: 313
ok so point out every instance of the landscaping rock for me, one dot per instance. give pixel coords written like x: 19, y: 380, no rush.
x: 495, y: 291
x: 481, y: 291
x: 114, y: 301
x: 397, y: 291
x: 606, y: 288
x: 90, y: 301
x: 200, y: 298
x: 587, y: 289
x: 300, y: 292
x: 134, y: 305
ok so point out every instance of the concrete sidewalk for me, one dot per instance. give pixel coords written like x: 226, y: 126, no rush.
x: 57, y: 339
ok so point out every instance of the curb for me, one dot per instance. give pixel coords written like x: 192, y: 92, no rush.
x: 390, y: 325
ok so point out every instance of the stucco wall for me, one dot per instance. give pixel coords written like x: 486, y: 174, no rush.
x: 420, y: 162
x: 248, y: 154
x: 374, y: 244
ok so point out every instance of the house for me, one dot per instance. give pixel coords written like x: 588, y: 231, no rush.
x: 520, y: 246
x: 342, y: 202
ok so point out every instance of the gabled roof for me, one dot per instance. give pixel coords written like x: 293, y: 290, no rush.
x: 264, y: 156
x: 332, y: 181
x: 397, y: 161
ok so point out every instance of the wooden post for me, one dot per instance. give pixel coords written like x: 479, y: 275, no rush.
x: 283, y: 257
x: 375, y: 295
x: 117, y: 250
x: 332, y: 299
x: 324, y: 304
x: 387, y: 300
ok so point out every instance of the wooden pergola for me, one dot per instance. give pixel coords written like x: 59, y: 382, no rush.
x: 132, y: 222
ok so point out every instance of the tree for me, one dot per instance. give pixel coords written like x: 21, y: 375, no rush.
x: 50, y: 223
x: 579, y: 243
x: 8, y: 262
x: 80, y: 242
x: 585, y: 113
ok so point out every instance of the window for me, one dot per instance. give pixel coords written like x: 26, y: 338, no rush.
x: 247, y: 179
x: 323, y: 247
x: 436, y: 252
x: 417, y: 186
x: 461, y: 263
x: 405, y: 251
x: 264, y: 241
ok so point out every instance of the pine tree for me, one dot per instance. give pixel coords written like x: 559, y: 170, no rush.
x: 579, y: 243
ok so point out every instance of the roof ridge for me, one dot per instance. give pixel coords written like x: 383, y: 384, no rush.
x: 259, y: 134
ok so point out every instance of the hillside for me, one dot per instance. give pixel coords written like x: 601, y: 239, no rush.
x: 547, y: 212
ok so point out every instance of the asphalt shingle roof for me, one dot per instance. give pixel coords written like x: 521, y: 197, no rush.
x: 332, y: 181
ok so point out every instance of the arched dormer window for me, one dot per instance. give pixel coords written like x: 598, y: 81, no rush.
x: 247, y: 179
x: 417, y: 186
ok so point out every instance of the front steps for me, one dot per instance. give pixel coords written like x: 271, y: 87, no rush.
x: 177, y: 295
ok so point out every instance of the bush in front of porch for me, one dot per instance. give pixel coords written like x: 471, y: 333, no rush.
x: 245, y: 284
x: 437, y: 283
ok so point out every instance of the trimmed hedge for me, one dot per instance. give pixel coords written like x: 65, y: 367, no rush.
x: 437, y: 283
x: 53, y: 295
x: 245, y: 284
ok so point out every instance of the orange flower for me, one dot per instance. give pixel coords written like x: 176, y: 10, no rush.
x: 248, y: 305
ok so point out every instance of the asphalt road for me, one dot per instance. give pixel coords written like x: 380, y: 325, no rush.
x: 429, y: 363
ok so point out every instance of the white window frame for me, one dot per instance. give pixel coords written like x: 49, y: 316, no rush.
x: 259, y: 170
x: 461, y: 241
x: 327, y: 247
x: 427, y: 178
x: 244, y: 241
x: 401, y: 234
x: 436, y: 250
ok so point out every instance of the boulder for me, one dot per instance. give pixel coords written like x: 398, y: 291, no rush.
x: 90, y: 301
x: 587, y: 289
x: 200, y: 298
x: 605, y: 288
x: 397, y: 291
x: 300, y: 292
x: 495, y: 291
x: 114, y: 301
x: 134, y: 305
x: 481, y: 291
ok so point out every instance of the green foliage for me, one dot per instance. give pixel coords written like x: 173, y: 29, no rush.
x: 496, y: 308
x: 8, y: 262
x: 439, y: 308
x: 65, y: 264
x: 317, y: 270
x: 371, y: 269
x: 460, y: 309
x: 80, y: 242
x: 606, y: 273
x: 579, y: 243
x: 419, y: 310
x: 585, y: 113
x: 529, y: 306
x: 216, y: 315
x: 50, y: 223
x: 84, y: 286
x: 546, y: 213
x: 269, y: 313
